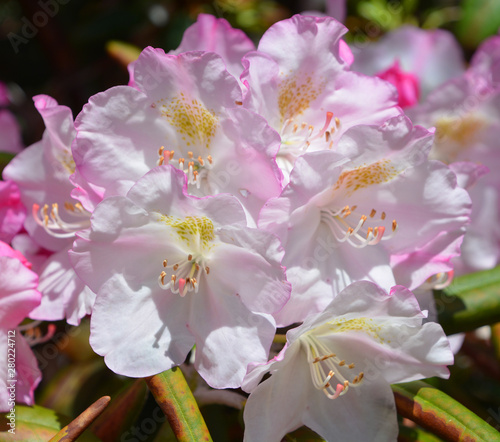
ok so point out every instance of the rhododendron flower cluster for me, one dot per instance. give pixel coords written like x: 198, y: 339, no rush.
x: 231, y: 189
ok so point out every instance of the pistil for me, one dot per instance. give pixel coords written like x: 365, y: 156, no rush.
x: 297, y: 138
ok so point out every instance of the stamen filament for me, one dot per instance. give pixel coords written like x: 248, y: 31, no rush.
x: 196, y: 167
x: 185, y: 278
x: 53, y: 224
x: 338, y: 222
x: 325, y: 366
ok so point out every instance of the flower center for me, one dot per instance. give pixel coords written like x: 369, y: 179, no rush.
x: 197, y: 235
x: 196, y: 169
x: 329, y: 373
x: 296, y: 139
x: 52, y: 223
x: 358, y: 230
x: 461, y: 130
x: 65, y: 159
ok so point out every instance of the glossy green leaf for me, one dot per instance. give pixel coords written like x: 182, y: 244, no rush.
x: 471, y: 301
x: 173, y: 395
x: 124, y: 409
x: 437, y: 412
x: 35, y: 424
x: 479, y: 20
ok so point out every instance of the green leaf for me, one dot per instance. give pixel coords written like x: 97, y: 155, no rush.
x: 173, y: 395
x: 35, y: 424
x: 480, y: 19
x: 437, y: 412
x: 471, y: 301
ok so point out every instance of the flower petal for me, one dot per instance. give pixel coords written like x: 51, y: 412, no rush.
x: 158, y: 337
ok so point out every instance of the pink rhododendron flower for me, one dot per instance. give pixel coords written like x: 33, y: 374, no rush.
x: 335, y: 371
x: 10, y: 133
x: 36, y: 255
x: 6, y: 250
x: 18, y: 296
x: 428, y: 58
x: 466, y: 114
x: 172, y: 271
x: 12, y: 211
x: 213, y: 34
x: 481, y: 246
x: 406, y: 83
x: 485, y: 63
x: 337, y: 9
x: 42, y: 172
x: 376, y: 209
x: 299, y: 82
x: 184, y: 112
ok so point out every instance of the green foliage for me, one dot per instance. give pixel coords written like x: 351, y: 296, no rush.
x: 442, y: 415
x: 36, y: 424
x: 471, y: 301
x: 479, y: 19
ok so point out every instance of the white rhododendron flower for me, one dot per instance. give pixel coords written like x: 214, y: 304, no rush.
x: 171, y: 271
x: 335, y: 371
x: 376, y: 209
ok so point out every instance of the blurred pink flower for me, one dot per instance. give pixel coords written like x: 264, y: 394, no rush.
x: 12, y: 211
x: 406, y: 83
x: 466, y: 114
x: 423, y: 59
